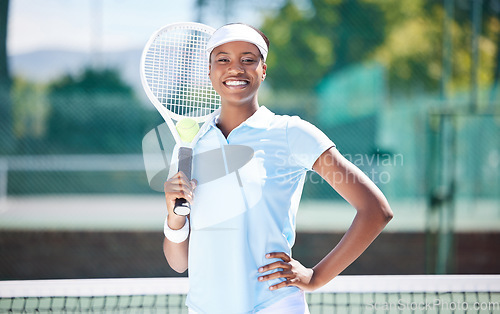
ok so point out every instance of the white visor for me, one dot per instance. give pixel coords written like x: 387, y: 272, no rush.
x: 236, y: 32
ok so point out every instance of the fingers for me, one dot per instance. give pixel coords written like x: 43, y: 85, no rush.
x: 283, y: 284
x: 276, y: 265
x: 178, y: 186
x: 276, y: 275
x: 194, y: 183
x: 294, y: 273
x: 284, y: 270
x: 284, y: 263
x: 281, y: 255
x: 289, y: 276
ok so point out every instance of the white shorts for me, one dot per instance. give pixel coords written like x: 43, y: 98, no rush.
x: 292, y: 304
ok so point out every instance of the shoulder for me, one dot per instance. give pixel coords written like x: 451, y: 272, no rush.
x: 305, y: 141
x: 293, y: 127
x: 283, y: 121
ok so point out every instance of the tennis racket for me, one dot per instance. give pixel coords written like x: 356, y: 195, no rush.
x: 174, y: 75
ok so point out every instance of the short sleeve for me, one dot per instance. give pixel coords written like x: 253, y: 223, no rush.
x: 306, y: 142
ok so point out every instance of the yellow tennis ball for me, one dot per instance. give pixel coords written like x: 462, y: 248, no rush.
x: 187, y: 129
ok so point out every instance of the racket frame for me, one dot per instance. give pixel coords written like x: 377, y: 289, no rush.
x: 182, y: 207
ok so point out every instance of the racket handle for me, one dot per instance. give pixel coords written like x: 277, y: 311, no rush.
x: 182, y: 207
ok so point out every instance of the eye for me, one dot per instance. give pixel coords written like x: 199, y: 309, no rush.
x: 222, y: 60
x: 247, y: 60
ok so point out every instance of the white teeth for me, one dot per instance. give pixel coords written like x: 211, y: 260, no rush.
x: 236, y: 83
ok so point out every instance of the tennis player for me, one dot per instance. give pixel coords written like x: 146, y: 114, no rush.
x: 237, y: 240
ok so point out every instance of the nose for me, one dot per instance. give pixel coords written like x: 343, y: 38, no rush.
x: 235, y: 68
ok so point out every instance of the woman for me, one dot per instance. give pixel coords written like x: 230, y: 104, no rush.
x: 242, y: 226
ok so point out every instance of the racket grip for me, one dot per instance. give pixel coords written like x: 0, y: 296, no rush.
x: 185, y: 160
x: 182, y: 207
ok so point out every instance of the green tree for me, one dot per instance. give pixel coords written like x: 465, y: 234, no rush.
x: 6, y: 143
x: 307, y: 43
x: 96, y: 112
x: 415, y: 39
x: 29, y: 114
x: 406, y: 36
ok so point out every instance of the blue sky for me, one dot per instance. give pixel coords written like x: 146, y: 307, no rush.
x: 74, y: 24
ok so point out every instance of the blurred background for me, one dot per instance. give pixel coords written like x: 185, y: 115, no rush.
x: 407, y: 89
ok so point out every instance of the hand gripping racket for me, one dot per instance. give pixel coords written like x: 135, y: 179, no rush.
x: 174, y: 75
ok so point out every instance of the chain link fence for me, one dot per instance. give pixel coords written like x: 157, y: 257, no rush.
x: 407, y: 89
x: 366, y: 72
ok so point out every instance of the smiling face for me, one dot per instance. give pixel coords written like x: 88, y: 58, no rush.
x: 236, y: 72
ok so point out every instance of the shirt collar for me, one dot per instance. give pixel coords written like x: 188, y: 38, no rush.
x: 261, y: 119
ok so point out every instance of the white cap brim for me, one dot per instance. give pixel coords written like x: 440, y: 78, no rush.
x: 237, y: 32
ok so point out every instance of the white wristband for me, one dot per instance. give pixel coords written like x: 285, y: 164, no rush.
x: 176, y: 236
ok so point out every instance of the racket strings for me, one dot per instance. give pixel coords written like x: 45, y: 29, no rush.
x: 176, y: 69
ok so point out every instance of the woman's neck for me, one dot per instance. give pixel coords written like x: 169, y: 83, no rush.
x: 231, y: 116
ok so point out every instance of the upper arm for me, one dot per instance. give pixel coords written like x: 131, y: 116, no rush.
x: 306, y: 142
x: 350, y: 182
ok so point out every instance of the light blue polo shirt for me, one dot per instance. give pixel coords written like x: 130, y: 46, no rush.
x: 239, y: 217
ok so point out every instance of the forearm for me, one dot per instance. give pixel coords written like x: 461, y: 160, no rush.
x: 365, y: 227
x: 176, y: 253
x: 373, y: 213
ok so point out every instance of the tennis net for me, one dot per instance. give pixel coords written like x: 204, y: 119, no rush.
x: 344, y: 294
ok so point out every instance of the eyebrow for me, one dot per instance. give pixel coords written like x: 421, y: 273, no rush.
x: 244, y: 53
